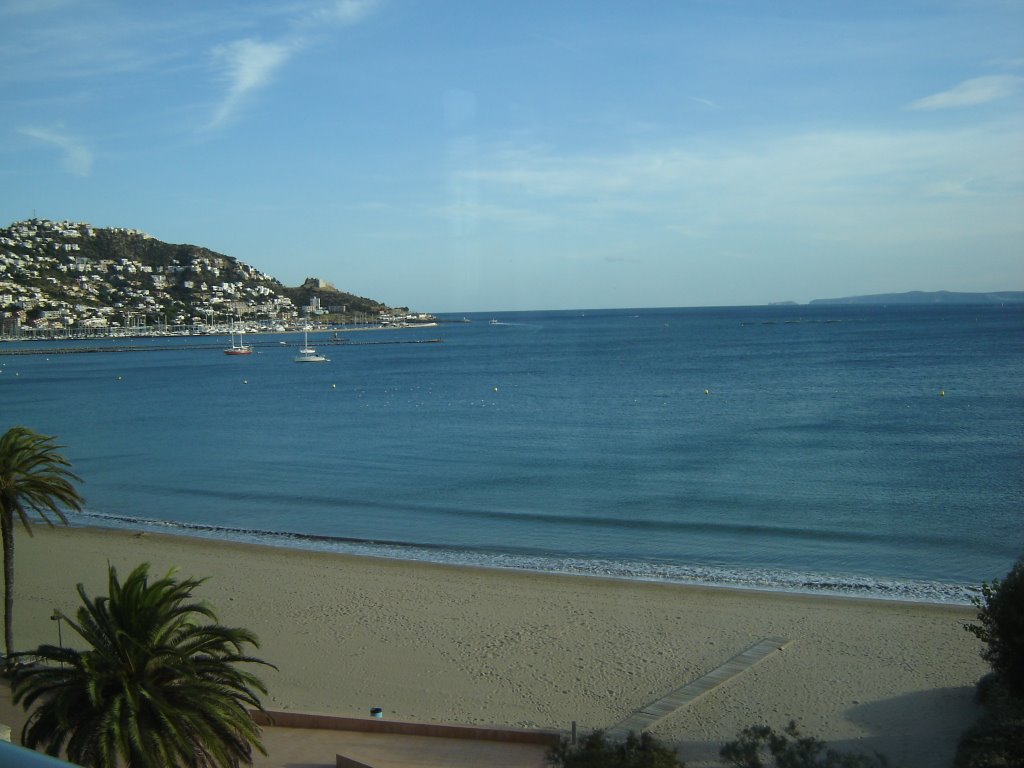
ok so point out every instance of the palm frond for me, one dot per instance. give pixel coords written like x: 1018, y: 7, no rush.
x: 159, y: 684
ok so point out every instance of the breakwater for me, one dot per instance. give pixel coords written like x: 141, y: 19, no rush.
x: 198, y: 345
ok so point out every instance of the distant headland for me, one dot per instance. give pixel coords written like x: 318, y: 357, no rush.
x: 73, y: 278
x: 930, y: 297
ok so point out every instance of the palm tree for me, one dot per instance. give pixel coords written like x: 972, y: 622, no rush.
x: 158, y: 685
x: 33, y: 476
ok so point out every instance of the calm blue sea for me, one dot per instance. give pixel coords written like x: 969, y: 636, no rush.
x: 867, y: 451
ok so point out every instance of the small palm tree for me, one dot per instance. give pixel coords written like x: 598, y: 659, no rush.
x: 33, y: 476
x: 158, y: 685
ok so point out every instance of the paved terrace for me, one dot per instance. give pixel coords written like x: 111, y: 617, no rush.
x: 306, y: 740
x: 299, y: 740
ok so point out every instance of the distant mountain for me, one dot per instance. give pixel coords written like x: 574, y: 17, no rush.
x: 931, y: 297
x: 71, y: 275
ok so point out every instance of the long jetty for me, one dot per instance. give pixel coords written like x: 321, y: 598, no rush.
x: 197, y: 345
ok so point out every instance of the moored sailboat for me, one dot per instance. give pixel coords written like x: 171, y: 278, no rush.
x: 308, y: 354
x: 238, y: 348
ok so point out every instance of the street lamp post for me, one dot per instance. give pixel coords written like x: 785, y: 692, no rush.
x: 60, y: 640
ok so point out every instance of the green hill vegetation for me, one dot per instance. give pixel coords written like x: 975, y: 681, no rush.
x: 61, y: 275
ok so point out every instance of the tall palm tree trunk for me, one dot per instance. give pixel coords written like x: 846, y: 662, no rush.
x: 34, y: 477
x: 7, y: 535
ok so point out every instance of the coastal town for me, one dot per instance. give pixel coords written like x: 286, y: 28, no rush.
x: 69, y: 279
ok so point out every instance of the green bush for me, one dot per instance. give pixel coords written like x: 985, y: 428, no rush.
x: 1001, y: 627
x: 761, y: 747
x: 997, y: 739
x: 595, y: 751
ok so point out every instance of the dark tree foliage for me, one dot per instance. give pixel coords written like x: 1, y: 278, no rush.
x: 159, y: 683
x: 1001, y: 627
x: 595, y: 751
x: 761, y: 747
x: 997, y: 739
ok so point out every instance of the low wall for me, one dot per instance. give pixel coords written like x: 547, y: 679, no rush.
x: 376, y: 725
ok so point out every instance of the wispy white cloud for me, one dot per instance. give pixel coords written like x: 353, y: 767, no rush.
x: 811, y: 162
x: 705, y: 102
x: 70, y: 48
x: 77, y: 158
x: 1016, y: 62
x: 464, y: 214
x: 813, y: 187
x: 247, y: 65
x: 339, y: 13
x: 978, y: 90
x: 950, y: 188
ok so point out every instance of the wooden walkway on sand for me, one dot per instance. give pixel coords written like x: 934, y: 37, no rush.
x: 647, y: 716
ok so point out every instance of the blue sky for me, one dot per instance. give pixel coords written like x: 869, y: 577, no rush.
x: 476, y: 156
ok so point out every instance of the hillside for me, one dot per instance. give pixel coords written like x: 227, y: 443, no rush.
x: 71, y: 275
x: 931, y: 297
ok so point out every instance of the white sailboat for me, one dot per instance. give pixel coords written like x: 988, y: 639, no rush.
x: 306, y: 353
x: 306, y: 349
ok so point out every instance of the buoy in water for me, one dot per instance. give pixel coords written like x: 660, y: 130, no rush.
x: 334, y: 386
x: 707, y: 391
x: 942, y: 393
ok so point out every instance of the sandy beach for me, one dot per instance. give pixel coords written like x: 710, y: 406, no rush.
x: 465, y: 645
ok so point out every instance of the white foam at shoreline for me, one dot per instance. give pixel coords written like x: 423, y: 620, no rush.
x: 763, y: 579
